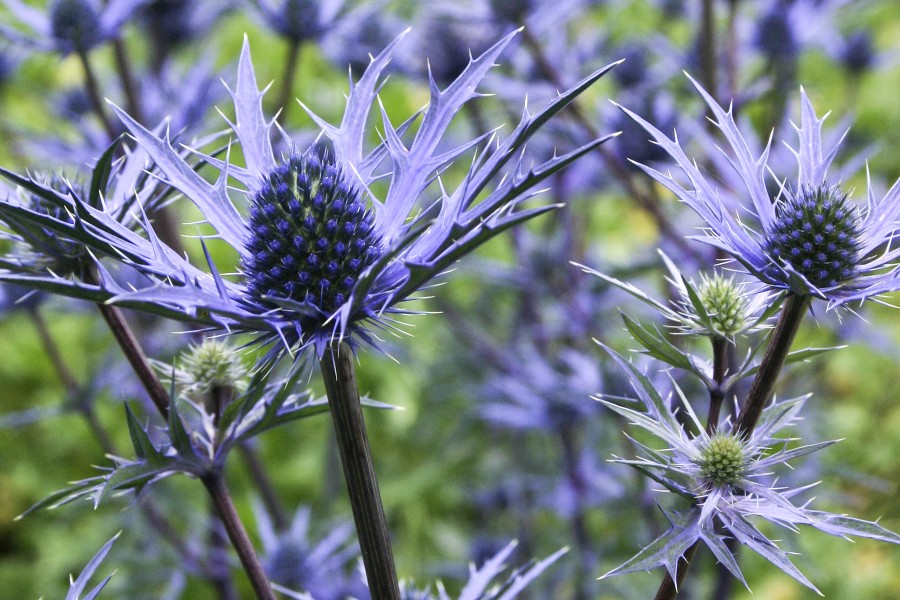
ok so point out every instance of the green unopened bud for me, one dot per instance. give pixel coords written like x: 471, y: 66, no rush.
x: 724, y: 303
x: 213, y: 368
x: 722, y: 460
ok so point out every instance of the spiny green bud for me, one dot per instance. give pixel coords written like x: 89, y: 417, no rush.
x: 724, y: 302
x: 722, y: 460
x: 213, y: 366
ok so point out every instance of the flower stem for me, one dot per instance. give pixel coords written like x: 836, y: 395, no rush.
x: 123, y: 66
x: 290, y: 72
x: 785, y: 330
x: 136, y: 357
x: 761, y: 390
x: 359, y: 473
x: 668, y: 589
x: 221, y: 498
x: 716, y: 393
x: 93, y: 92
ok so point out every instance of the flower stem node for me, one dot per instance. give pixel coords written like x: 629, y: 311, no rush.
x: 817, y: 233
x: 723, y: 460
x: 311, y: 236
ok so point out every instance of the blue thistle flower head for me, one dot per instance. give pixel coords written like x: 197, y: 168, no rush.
x: 311, y: 235
x: 300, y: 20
x: 75, y: 24
x: 858, y: 53
x: 774, y: 36
x: 810, y: 239
x: 69, y: 25
x: 321, y: 256
x: 727, y: 481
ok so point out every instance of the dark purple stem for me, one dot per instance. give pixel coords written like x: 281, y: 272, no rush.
x: 359, y: 473
x: 224, y: 505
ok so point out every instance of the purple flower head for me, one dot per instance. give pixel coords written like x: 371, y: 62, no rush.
x: 858, y: 53
x: 726, y: 479
x: 71, y: 25
x: 322, y: 568
x: 330, y: 241
x: 811, y: 239
x: 299, y: 20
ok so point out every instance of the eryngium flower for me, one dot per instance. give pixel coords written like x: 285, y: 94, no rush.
x: 70, y: 25
x: 811, y: 239
x: 726, y: 479
x: 716, y: 306
x: 321, y: 256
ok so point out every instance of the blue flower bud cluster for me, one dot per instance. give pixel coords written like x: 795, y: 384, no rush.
x: 311, y: 236
x: 817, y: 232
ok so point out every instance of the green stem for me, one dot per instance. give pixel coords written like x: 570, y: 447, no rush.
x: 93, y: 92
x: 290, y: 72
x: 224, y: 505
x: 123, y: 66
x: 359, y: 472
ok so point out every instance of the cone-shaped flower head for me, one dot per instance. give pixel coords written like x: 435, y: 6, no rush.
x: 311, y: 235
x: 811, y: 238
x: 321, y: 256
x: 212, y: 365
x: 722, y: 460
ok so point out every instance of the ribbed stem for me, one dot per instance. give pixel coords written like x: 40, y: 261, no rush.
x: 359, y: 473
x: 221, y: 498
x: 761, y: 391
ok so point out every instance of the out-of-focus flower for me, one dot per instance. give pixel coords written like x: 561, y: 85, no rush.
x: 811, y: 239
x: 299, y: 20
x: 322, y: 568
x: 68, y: 26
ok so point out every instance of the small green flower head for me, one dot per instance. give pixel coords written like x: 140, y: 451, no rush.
x: 726, y: 305
x: 212, y: 366
x: 723, y: 460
